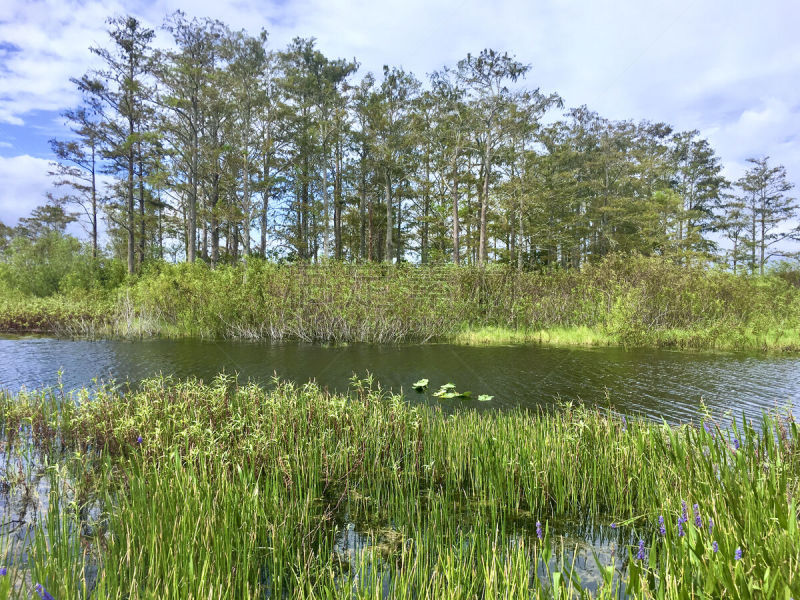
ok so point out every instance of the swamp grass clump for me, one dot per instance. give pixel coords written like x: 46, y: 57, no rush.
x: 181, y: 489
x: 631, y: 300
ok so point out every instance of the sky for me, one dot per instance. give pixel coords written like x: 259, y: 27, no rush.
x: 728, y: 68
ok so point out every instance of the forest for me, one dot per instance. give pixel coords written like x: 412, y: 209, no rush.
x: 219, y: 148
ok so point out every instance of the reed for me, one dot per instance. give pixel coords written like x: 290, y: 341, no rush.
x: 182, y: 489
x: 635, y: 301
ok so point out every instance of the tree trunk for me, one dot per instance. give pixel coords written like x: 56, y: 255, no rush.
x: 192, y: 216
x: 265, y: 207
x: 337, y: 204
x: 325, y: 213
x: 371, y: 233
x: 362, y: 210
x: 246, y: 210
x: 456, y: 249
x: 130, y: 211
x: 762, y: 243
x: 484, y: 201
x: 141, y: 209
x: 389, y: 225
x: 94, y: 207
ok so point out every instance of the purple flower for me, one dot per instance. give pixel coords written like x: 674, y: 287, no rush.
x: 710, y: 526
x: 715, y: 547
x: 698, y: 522
x: 139, y: 440
x: 661, y: 528
x: 684, y: 511
x: 735, y: 443
x: 738, y: 554
x: 624, y: 423
x: 20, y: 427
x: 613, y: 526
x: 539, y: 530
x: 3, y: 571
x: 43, y: 593
x: 640, y: 554
x: 680, y: 528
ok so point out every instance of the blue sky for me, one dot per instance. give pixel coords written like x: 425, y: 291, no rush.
x: 729, y: 68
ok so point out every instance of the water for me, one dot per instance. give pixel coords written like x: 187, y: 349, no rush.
x: 658, y: 384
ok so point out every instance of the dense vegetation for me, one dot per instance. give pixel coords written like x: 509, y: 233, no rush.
x: 629, y: 300
x: 218, y: 148
x: 185, y: 490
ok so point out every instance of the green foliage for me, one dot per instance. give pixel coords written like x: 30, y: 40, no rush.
x: 47, y: 264
x: 630, y: 300
x: 236, y: 491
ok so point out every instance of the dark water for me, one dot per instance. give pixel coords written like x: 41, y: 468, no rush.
x: 656, y: 383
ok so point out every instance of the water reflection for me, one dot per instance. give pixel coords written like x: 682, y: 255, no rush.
x: 656, y: 383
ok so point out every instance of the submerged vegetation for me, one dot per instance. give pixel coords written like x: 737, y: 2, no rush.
x: 192, y: 490
x: 635, y: 301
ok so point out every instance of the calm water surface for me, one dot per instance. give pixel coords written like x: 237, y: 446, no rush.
x: 656, y: 383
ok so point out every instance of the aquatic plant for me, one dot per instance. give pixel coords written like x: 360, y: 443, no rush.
x: 242, y: 491
x: 420, y: 385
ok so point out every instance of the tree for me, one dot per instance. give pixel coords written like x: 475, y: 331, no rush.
x: 77, y: 165
x: 699, y: 183
x: 119, y: 89
x: 733, y: 224
x: 391, y: 129
x: 454, y: 121
x: 771, y: 213
x: 248, y: 59
x: 49, y: 218
x: 485, y: 77
x: 187, y: 78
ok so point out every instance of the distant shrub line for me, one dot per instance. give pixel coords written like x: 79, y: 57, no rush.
x: 634, y: 301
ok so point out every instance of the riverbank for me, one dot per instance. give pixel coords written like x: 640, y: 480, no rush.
x: 189, y: 490
x: 635, y: 302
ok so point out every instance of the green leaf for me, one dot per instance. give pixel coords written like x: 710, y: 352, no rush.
x: 484, y: 398
x: 420, y: 385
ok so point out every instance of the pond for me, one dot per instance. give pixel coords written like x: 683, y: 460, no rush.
x: 672, y: 385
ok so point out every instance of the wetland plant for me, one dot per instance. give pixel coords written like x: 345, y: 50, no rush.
x: 245, y: 492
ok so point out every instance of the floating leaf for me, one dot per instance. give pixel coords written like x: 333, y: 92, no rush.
x: 420, y: 385
x: 448, y: 390
x: 484, y: 398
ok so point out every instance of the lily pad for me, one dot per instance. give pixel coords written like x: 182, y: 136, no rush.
x: 484, y: 398
x: 420, y: 385
x: 448, y: 391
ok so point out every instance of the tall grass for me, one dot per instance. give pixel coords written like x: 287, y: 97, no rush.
x: 634, y: 301
x: 237, y: 491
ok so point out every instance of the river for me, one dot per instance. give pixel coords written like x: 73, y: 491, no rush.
x: 672, y: 385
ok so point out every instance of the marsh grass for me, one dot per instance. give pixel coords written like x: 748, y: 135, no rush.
x: 633, y: 301
x: 242, y: 492
x: 556, y: 336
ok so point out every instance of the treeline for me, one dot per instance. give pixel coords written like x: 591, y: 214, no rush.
x: 221, y: 148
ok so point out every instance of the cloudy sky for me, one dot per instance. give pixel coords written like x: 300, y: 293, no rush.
x: 730, y: 68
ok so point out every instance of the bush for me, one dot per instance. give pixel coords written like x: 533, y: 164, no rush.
x: 54, y: 263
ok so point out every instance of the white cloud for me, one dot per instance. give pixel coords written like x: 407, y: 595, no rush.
x: 771, y: 128
x: 24, y: 185
x: 729, y: 69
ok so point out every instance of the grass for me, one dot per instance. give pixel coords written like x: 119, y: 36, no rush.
x: 556, y: 336
x: 241, y: 492
x: 634, y: 301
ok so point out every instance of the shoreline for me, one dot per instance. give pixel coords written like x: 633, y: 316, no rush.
x: 558, y: 337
